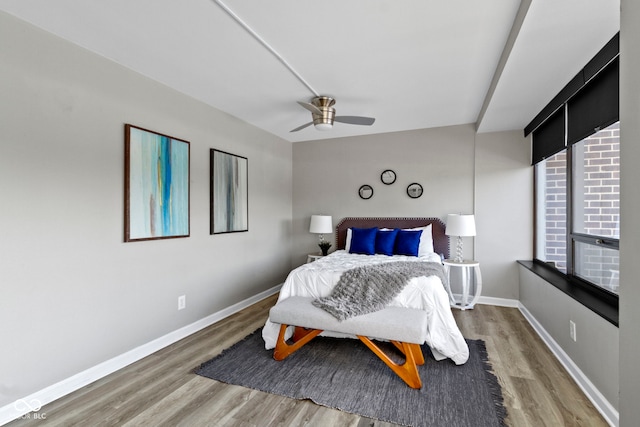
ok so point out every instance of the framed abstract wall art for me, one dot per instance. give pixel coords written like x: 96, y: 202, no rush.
x: 229, y: 193
x: 156, y: 185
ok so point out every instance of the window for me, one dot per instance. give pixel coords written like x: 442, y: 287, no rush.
x: 596, y: 207
x: 581, y: 238
x: 551, y: 211
x: 576, y: 158
x: 596, y: 177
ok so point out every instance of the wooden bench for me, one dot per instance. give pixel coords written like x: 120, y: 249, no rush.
x: 406, y: 328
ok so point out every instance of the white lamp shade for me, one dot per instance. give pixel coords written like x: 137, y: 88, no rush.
x: 460, y: 225
x: 320, y: 224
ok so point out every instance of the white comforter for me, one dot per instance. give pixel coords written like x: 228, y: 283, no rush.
x: 318, y: 278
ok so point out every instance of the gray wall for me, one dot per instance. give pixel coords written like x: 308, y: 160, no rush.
x: 595, y: 350
x: 73, y: 294
x: 457, y: 169
x: 630, y: 208
x: 504, y: 209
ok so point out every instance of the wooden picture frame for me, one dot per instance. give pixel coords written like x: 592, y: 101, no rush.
x: 229, y: 199
x: 156, y: 185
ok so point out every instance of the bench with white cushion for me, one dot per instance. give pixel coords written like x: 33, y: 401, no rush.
x: 405, y: 327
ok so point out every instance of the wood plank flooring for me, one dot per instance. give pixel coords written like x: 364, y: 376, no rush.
x: 162, y: 390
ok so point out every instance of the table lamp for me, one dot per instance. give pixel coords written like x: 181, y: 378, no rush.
x: 460, y: 226
x: 321, y: 224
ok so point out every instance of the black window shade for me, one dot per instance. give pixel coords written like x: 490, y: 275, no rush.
x: 596, y: 106
x: 548, y: 138
x: 591, y: 100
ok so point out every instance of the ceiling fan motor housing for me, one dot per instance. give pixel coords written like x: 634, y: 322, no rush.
x: 325, y: 105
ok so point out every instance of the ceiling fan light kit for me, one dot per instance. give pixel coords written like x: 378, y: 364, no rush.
x: 323, y: 126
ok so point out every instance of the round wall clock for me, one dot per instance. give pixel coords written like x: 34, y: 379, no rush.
x: 388, y: 177
x: 414, y: 190
x: 365, y: 192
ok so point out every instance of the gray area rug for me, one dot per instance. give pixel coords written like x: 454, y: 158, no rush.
x: 344, y: 374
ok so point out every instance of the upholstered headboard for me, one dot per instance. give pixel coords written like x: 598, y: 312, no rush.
x: 440, y: 240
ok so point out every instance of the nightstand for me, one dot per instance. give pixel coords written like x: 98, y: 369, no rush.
x: 465, y: 268
x: 313, y: 257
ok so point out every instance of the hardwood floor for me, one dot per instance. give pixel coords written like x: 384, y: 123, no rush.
x: 162, y: 390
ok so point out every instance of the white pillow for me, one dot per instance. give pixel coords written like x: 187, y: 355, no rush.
x: 347, y: 244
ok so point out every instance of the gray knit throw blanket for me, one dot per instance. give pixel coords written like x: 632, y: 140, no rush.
x: 371, y: 288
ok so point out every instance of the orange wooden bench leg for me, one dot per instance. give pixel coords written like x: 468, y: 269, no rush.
x: 417, y: 352
x: 283, y: 349
x: 299, y: 332
x: 408, y: 371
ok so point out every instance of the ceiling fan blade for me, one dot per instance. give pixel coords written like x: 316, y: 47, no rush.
x: 355, y: 120
x: 301, y: 127
x: 310, y: 107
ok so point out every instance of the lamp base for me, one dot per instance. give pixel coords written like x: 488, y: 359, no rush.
x: 458, y: 257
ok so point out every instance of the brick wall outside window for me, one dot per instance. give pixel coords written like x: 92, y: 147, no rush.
x: 602, y: 182
x: 599, y: 202
x: 556, y: 211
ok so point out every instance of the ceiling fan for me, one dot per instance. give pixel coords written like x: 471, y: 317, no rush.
x: 324, y: 115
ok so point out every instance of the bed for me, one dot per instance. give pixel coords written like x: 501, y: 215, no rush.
x: 318, y: 279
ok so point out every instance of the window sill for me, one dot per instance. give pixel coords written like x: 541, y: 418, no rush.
x: 603, y: 305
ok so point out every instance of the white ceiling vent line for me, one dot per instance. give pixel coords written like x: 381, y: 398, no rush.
x: 262, y: 41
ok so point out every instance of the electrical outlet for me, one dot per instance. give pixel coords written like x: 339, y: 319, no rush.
x: 182, y: 302
x: 572, y: 329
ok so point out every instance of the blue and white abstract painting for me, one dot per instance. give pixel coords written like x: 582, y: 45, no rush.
x: 229, y: 193
x: 158, y: 186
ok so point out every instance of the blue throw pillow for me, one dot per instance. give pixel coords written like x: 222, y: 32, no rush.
x: 385, y: 241
x: 363, y: 241
x: 407, y: 242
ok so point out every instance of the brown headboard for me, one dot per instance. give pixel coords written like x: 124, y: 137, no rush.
x: 440, y: 240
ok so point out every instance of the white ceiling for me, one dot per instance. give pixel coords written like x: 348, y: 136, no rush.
x: 411, y: 64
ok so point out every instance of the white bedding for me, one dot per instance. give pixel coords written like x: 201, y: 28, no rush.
x: 318, y: 278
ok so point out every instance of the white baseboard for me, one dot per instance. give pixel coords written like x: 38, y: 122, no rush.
x: 29, y: 406
x: 609, y: 413
x: 500, y: 302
